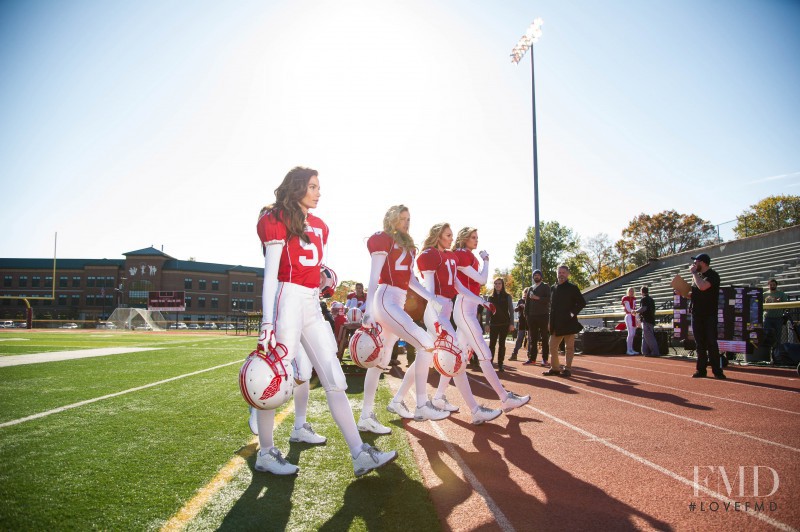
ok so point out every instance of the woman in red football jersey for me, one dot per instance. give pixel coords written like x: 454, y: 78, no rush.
x: 293, y: 242
x: 391, y: 275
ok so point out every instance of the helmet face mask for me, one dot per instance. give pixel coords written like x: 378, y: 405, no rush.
x: 265, y: 381
x: 366, y: 346
x: 447, y: 357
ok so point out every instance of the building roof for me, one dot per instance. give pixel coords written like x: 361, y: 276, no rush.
x: 207, y: 267
x: 151, y: 251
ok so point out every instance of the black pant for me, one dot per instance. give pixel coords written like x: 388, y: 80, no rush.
x: 498, y: 332
x: 705, y: 336
x: 537, y: 329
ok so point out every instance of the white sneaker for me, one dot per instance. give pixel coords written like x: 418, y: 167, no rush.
x: 306, y: 434
x: 513, y: 401
x: 371, y: 458
x: 443, y: 404
x: 399, y: 408
x: 273, y: 462
x: 253, y: 421
x: 631, y: 353
x: 371, y: 424
x: 483, y: 414
x: 428, y: 411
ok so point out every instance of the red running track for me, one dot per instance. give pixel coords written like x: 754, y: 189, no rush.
x: 618, y: 446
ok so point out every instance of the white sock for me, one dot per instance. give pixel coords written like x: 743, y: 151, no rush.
x: 494, y: 380
x: 266, y: 422
x: 407, y: 382
x: 343, y: 416
x: 441, y: 391
x: 423, y: 365
x: 301, y: 404
x: 463, y: 387
x: 370, y: 389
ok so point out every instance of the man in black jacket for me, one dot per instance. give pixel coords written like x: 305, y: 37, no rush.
x: 647, y: 313
x: 705, y: 301
x: 566, y: 301
x: 537, y: 310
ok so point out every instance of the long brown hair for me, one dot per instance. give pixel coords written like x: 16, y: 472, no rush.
x: 390, y: 220
x: 287, y: 201
x: 432, y: 240
x: 463, y: 234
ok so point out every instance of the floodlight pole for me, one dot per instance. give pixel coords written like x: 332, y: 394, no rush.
x: 526, y: 43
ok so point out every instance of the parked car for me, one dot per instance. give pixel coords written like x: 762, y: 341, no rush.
x: 106, y: 325
x: 179, y: 325
x: 193, y: 326
x: 21, y: 325
x: 7, y: 324
x: 210, y: 326
x: 227, y: 327
x: 69, y: 326
x: 145, y: 327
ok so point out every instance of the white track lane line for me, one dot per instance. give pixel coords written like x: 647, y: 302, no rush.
x: 644, y: 461
x: 684, y: 374
x: 109, y: 396
x: 684, y: 418
x: 499, y: 517
x: 695, y: 393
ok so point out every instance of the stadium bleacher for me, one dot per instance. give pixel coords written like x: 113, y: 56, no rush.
x: 747, y: 262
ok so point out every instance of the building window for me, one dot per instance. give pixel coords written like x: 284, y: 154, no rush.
x: 48, y: 282
x: 90, y: 281
x: 62, y: 282
x: 214, y: 302
x: 76, y: 300
x: 188, y: 301
x: 202, y: 284
x: 235, y: 286
x: 110, y: 282
x: 201, y: 302
x: 7, y: 281
x: 62, y: 300
x: 23, y: 281
x: 89, y: 300
x: 249, y: 304
x: 215, y: 285
x: 76, y: 282
x: 250, y: 287
x: 36, y: 281
x: 187, y: 283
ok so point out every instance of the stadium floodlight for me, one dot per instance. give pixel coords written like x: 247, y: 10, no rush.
x: 526, y: 42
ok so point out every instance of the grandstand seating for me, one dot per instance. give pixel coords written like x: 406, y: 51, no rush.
x: 758, y: 261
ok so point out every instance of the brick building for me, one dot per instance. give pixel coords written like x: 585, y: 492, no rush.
x: 90, y: 289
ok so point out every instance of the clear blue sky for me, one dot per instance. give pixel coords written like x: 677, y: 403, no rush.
x: 130, y: 124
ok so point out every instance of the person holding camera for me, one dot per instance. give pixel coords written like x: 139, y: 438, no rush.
x: 705, y: 303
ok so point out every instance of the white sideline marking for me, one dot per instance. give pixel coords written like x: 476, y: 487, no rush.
x: 644, y: 461
x: 684, y: 418
x: 109, y: 396
x: 683, y: 390
x: 57, y: 356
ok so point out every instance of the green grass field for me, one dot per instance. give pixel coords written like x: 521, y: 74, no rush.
x: 133, y: 460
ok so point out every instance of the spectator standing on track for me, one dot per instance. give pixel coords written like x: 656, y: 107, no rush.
x: 566, y: 301
x: 501, y: 322
x: 522, y: 325
x: 705, y: 303
x: 647, y: 313
x: 537, y: 314
x: 773, y: 318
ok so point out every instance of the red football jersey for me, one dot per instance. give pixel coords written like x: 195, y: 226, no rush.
x: 443, y: 265
x: 466, y: 258
x: 299, y: 260
x: 396, y: 270
x: 360, y: 298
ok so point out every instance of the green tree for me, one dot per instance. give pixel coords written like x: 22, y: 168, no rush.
x: 600, y: 259
x: 344, y: 288
x: 559, y: 245
x: 769, y: 214
x: 668, y: 232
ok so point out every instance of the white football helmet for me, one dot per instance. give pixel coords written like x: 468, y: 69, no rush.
x: 264, y: 380
x: 327, y: 281
x: 446, y: 355
x: 337, y: 308
x: 354, y: 315
x: 365, y: 346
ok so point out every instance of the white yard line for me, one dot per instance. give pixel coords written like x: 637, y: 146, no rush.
x: 57, y: 356
x: 109, y: 396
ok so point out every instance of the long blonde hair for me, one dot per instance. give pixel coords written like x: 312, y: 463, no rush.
x: 432, y: 239
x: 463, y: 234
x: 390, y: 220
